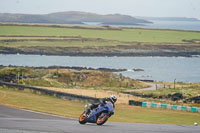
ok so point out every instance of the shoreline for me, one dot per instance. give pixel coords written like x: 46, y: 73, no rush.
x: 68, y: 67
x: 107, y: 54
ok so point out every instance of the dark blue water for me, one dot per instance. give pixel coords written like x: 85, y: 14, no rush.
x: 155, y: 68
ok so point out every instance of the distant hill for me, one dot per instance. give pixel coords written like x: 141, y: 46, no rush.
x: 169, y: 18
x: 72, y: 17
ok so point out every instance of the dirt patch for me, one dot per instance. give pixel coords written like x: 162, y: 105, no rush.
x: 122, y: 98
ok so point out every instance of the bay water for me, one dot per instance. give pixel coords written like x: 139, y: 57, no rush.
x: 184, y: 69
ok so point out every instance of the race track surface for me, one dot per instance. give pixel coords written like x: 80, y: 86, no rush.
x: 22, y: 121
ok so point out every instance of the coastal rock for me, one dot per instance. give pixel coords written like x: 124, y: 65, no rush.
x: 137, y: 70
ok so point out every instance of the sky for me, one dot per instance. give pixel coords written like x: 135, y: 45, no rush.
x: 148, y: 8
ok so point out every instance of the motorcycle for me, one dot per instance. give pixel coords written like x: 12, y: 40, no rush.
x: 98, y: 115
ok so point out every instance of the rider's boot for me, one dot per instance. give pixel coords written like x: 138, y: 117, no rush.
x: 88, y: 109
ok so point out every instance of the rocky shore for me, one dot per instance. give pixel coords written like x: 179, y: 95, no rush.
x: 73, y: 67
x: 103, y: 51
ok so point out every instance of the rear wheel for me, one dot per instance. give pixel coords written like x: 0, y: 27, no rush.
x: 82, y: 118
x: 102, y: 119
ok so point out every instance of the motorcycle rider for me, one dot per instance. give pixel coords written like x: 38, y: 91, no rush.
x: 112, y: 99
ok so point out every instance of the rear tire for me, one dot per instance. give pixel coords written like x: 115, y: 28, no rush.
x: 102, y: 119
x: 82, y: 118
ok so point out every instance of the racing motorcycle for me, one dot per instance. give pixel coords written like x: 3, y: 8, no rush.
x: 98, y: 115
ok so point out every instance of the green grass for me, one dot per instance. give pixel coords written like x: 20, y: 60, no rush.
x: 59, y: 43
x: 157, y: 116
x: 41, y: 103
x: 66, y: 78
x: 123, y: 113
x: 188, y: 90
x: 130, y: 35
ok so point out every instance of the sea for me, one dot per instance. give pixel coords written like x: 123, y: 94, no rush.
x: 162, y: 24
x: 180, y: 69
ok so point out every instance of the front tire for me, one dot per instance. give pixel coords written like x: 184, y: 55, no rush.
x: 102, y: 119
x: 82, y: 118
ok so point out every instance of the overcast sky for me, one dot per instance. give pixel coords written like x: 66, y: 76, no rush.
x: 155, y: 8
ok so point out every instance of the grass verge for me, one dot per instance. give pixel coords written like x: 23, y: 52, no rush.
x: 123, y: 113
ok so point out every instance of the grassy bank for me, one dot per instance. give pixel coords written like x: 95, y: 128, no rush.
x: 41, y: 103
x: 182, y: 91
x: 123, y: 113
x: 69, y: 78
x: 187, y: 89
x: 128, y: 35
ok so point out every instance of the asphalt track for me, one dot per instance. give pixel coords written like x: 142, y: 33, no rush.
x: 23, y: 121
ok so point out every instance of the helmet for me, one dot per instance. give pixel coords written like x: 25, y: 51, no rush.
x: 113, y: 98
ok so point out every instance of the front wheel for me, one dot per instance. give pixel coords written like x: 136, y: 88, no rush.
x: 102, y: 119
x: 82, y: 118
